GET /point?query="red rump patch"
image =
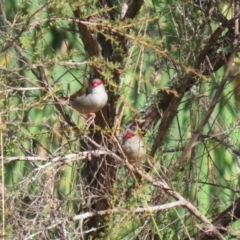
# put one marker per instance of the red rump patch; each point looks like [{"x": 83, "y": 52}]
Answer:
[
  {"x": 129, "y": 135},
  {"x": 96, "y": 82}
]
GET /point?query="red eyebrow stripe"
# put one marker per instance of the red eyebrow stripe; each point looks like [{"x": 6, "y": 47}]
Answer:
[
  {"x": 129, "y": 134},
  {"x": 97, "y": 83}
]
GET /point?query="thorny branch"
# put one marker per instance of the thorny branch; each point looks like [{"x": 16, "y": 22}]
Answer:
[{"x": 157, "y": 183}]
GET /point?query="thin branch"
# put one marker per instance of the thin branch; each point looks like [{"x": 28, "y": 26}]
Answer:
[
  {"x": 212, "y": 106},
  {"x": 24, "y": 29},
  {"x": 136, "y": 210},
  {"x": 67, "y": 158},
  {"x": 209, "y": 227},
  {"x": 171, "y": 110},
  {"x": 228, "y": 145},
  {"x": 157, "y": 183},
  {"x": 230, "y": 215},
  {"x": 53, "y": 225}
]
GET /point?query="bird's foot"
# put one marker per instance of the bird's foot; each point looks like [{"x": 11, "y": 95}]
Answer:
[{"x": 90, "y": 119}]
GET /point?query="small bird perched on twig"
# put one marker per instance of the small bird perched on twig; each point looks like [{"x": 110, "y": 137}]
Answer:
[
  {"x": 90, "y": 98},
  {"x": 133, "y": 147}
]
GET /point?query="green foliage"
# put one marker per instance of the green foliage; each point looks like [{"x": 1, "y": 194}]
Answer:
[{"x": 44, "y": 58}]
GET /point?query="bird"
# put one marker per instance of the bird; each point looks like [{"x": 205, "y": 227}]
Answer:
[
  {"x": 90, "y": 98},
  {"x": 133, "y": 147}
]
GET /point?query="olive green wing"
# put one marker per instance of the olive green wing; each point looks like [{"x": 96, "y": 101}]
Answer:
[{"x": 81, "y": 91}]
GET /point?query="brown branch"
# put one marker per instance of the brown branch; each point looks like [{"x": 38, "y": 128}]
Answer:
[
  {"x": 209, "y": 227},
  {"x": 89, "y": 41},
  {"x": 218, "y": 93},
  {"x": 169, "y": 104},
  {"x": 227, "y": 217},
  {"x": 157, "y": 183},
  {"x": 230, "y": 215},
  {"x": 131, "y": 8}
]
